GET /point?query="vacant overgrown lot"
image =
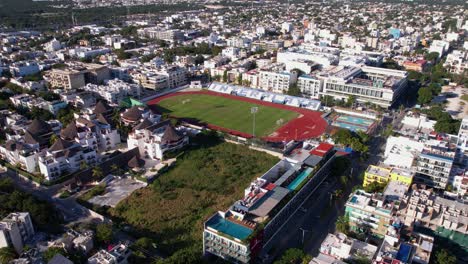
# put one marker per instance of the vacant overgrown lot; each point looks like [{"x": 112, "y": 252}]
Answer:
[
  {"x": 226, "y": 112},
  {"x": 208, "y": 177}
]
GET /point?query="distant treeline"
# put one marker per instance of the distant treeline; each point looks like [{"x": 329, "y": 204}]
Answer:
[{"x": 26, "y": 14}]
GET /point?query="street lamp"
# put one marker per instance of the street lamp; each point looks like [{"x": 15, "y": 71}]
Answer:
[
  {"x": 303, "y": 233},
  {"x": 253, "y": 110}
]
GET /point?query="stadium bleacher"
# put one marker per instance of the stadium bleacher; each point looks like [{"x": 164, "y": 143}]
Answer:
[{"x": 265, "y": 96}]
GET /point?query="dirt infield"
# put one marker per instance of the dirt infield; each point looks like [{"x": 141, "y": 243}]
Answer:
[{"x": 309, "y": 124}]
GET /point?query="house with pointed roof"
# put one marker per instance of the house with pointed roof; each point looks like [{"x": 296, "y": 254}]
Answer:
[
  {"x": 98, "y": 134},
  {"x": 153, "y": 140},
  {"x": 65, "y": 156},
  {"x": 136, "y": 114}
]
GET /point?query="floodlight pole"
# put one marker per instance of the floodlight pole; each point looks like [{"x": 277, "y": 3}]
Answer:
[{"x": 253, "y": 110}]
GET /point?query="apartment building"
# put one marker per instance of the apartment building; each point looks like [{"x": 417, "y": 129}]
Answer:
[
  {"x": 114, "y": 91},
  {"x": 97, "y": 134},
  {"x": 277, "y": 82},
  {"x": 384, "y": 174},
  {"x": 137, "y": 114},
  {"x": 77, "y": 76},
  {"x": 457, "y": 62},
  {"x": 67, "y": 79},
  {"x": 320, "y": 57},
  {"x": 426, "y": 209},
  {"x": 434, "y": 163},
  {"x": 117, "y": 255},
  {"x": 24, "y": 68},
  {"x": 309, "y": 86},
  {"x": 65, "y": 157},
  {"x": 175, "y": 76},
  {"x": 461, "y": 156},
  {"x": 15, "y": 230},
  {"x": 164, "y": 34},
  {"x": 341, "y": 247},
  {"x": 238, "y": 235},
  {"x": 154, "y": 139},
  {"x": 18, "y": 152},
  {"x": 369, "y": 84},
  {"x": 370, "y": 212}
]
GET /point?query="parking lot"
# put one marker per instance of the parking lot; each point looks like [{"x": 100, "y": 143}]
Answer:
[{"x": 117, "y": 190}]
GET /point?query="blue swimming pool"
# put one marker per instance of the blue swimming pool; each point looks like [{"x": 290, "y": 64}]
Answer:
[
  {"x": 404, "y": 252},
  {"x": 355, "y": 120},
  {"x": 229, "y": 228},
  {"x": 300, "y": 178},
  {"x": 353, "y": 128}
]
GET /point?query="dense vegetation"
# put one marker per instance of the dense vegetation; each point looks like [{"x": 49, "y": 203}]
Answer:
[
  {"x": 43, "y": 214},
  {"x": 208, "y": 177}
]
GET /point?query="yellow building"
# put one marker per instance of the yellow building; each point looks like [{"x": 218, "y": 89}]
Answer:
[
  {"x": 376, "y": 174},
  {"x": 385, "y": 174},
  {"x": 404, "y": 176}
]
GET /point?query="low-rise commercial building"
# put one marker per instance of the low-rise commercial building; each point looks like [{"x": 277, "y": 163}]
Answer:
[{"x": 368, "y": 84}]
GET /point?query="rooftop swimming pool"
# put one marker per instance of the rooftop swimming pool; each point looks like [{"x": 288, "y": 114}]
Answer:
[
  {"x": 404, "y": 252},
  {"x": 300, "y": 178},
  {"x": 229, "y": 228}
]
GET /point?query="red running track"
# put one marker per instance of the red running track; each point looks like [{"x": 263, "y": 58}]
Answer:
[{"x": 309, "y": 124}]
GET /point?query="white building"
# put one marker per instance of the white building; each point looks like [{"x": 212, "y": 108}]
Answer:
[
  {"x": 175, "y": 76},
  {"x": 277, "y": 82},
  {"x": 65, "y": 157},
  {"x": 434, "y": 164},
  {"x": 439, "y": 46},
  {"x": 164, "y": 34},
  {"x": 461, "y": 156},
  {"x": 310, "y": 86},
  {"x": 341, "y": 247},
  {"x": 153, "y": 140},
  {"x": 117, "y": 255},
  {"x": 368, "y": 84},
  {"x": 15, "y": 230},
  {"x": 114, "y": 91},
  {"x": 401, "y": 151},
  {"x": 97, "y": 134},
  {"x": 53, "y": 45},
  {"x": 321, "y": 57},
  {"x": 457, "y": 62},
  {"x": 24, "y": 68}
]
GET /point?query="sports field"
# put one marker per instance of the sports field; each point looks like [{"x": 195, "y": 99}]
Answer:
[{"x": 226, "y": 113}]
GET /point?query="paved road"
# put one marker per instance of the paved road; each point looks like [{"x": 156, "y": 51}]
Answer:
[
  {"x": 309, "y": 227},
  {"x": 70, "y": 209}
]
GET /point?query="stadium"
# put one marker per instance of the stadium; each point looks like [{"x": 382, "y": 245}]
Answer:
[{"x": 272, "y": 121}]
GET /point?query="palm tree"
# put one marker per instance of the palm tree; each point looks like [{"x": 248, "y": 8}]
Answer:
[
  {"x": 97, "y": 172},
  {"x": 7, "y": 254},
  {"x": 342, "y": 224}
]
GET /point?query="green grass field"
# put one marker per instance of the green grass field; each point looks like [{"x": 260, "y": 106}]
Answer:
[
  {"x": 209, "y": 176},
  {"x": 227, "y": 113}
]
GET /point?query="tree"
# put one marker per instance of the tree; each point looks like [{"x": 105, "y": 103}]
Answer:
[
  {"x": 294, "y": 256},
  {"x": 53, "y": 139},
  {"x": 433, "y": 56},
  {"x": 340, "y": 165},
  {"x": 7, "y": 254},
  {"x": 239, "y": 79},
  {"x": 424, "y": 95},
  {"x": 225, "y": 76},
  {"x": 97, "y": 172},
  {"x": 351, "y": 100},
  {"x": 375, "y": 187},
  {"x": 342, "y": 224},
  {"x": 84, "y": 165},
  {"x": 103, "y": 233},
  {"x": 122, "y": 55},
  {"x": 444, "y": 257},
  {"x": 51, "y": 252},
  {"x": 294, "y": 90}
]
